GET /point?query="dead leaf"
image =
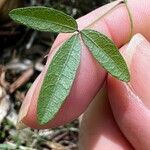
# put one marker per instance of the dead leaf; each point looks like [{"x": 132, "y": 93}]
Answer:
[
  {"x": 21, "y": 80},
  {"x": 55, "y": 146},
  {"x": 4, "y": 104}
]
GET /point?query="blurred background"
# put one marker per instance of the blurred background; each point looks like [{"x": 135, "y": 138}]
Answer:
[{"x": 22, "y": 58}]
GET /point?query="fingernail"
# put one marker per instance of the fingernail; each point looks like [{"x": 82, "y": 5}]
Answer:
[
  {"x": 137, "y": 55},
  {"x": 132, "y": 47}
]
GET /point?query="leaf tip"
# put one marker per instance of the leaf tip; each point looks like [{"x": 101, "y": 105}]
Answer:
[
  {"x": 42, "y": 120},
  {"x": 10, "y": 13},
  {"x": 126, "y": 78}
]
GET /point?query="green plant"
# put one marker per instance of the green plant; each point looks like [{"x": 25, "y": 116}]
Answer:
[{"x": 63, "y": 67}]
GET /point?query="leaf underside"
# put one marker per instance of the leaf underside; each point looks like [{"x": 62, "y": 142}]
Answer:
[
  {"x": 106, "y": 53},
  {"x": 44, "y": 19},
  {"x": 59, "y": 79}
]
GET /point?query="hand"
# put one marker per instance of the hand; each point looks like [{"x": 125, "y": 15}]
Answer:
[{"x": 119, "y": 117}]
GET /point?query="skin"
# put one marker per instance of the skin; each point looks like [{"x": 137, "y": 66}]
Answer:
[{"x": 118, "y": 118}]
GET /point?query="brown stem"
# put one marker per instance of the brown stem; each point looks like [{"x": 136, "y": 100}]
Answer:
[{"x": 120, "y": 2}]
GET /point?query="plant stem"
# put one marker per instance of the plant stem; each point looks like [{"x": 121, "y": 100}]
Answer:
[
  {"x": 129, "y": 13},
  {"x": 130, "y": 18},
  {"x": 120, "y": 2}
]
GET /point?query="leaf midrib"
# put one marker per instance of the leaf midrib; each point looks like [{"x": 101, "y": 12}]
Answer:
[
  {"x": 103, "y": 51},
  {"x": 48, "y": 21},
  {"x": 59, "y": 77}
]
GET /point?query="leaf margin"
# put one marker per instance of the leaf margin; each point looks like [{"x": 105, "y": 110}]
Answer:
[
  {"x": 124, "y": 79},
  {"x": 12, "y": 15},
  {"x": 41, "y": 122}
]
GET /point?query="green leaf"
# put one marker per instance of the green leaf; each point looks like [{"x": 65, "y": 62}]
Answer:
[
  {"x": 44, "y": 19},
  {"x": 59, "y": 79},
  {"x": 106, "y": 53}
]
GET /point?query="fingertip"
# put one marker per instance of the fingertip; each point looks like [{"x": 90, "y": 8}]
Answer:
[
  {"x": 128, "y": 100},
  {"x": 89, "y": 79}
]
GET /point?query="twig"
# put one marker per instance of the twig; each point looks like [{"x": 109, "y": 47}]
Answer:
[
  {"x": 21, "y": 80},
  {"x": 107, "y": 12},
  {"x": 33, "y": 36},
  {"x": 59, "y": 137},
  {"x": 15, "y": 146}
]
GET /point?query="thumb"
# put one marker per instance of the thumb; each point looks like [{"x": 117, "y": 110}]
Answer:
[{"x": 131, "y": 102}]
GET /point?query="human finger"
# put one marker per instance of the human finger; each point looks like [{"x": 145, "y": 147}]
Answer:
[
  {"x": 131, "y": 102},
  {"x": 98, "y": 129}
]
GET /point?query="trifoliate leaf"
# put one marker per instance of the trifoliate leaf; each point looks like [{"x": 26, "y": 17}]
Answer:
[
  {"x": 106, "y": 53},
  {"x": 44, "y": 19},
  {"x": 59, "y": 79}
]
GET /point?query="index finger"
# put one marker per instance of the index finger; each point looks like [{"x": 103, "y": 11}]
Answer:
[{"x": 90, "y": 75}]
